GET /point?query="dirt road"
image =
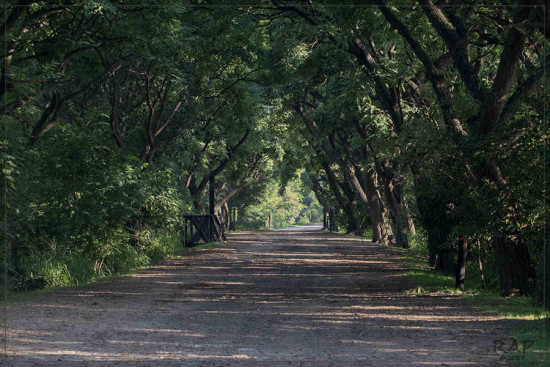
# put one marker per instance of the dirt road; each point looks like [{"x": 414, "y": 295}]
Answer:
[{"x": 281, "y": 298}]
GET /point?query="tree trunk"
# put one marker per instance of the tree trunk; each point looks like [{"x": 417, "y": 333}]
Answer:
[
  {"x": 344, "y": 204},
  {"x": 400, "y": 216},
  {"x": 410, "y": 221},
  {"x": 394, "y": 197},
  {"x": 378, "y": 211},
  {"x": 395, "y": 203},
  {"x": 480, "y": 259},
  {"x": 542, "y": 294},
  {"x": 433, "y": 219},
  {"x": 381, "y": 226},
  {"x": 461, "y": 263},
  {"x": 332, "y": 225},
  {"x": 439, "y": 258},
  {"x": 223, "y": 214},
  {"x": 514, "y": 264}
]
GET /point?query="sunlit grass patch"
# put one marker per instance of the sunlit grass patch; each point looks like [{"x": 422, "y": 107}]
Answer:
[
  {"x": 533, "y": 339},
  {"x": 426, "y": 279},
  {"x": 430, "y": 281}
]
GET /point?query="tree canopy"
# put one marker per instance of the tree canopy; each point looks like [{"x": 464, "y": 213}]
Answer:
[{"x": 422, "y": 124}]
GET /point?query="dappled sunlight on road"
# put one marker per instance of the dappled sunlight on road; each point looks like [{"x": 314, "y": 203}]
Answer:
[{"x": 286, "y": 296}]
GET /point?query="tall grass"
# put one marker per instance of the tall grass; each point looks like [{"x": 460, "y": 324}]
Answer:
[{"x": 61, "y": 267}]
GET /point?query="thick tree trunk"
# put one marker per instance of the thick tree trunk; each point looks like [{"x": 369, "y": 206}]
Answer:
[
  {"x": 394, "y": 198},
  {"x": 381, "y": 226},
  {"x": 513, "y": 263},
  {"x": 439, "y": 258},
  {"x": 396, "y": 204},
  {"x": 378, "y": 211},
  {"x": 461, "y": 263}
]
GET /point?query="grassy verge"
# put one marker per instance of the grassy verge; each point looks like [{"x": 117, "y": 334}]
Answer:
[
  {"x": 182, "y": 253},
  {"x": 529, "y": 342}
]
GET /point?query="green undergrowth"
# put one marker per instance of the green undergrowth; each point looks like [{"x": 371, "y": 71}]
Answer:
[
  {"x": 529, "y": 341},
  {"x": 178, "y": 253}
]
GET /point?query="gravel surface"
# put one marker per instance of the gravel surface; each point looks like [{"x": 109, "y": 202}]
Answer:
[{"x": 281, "y": 298}]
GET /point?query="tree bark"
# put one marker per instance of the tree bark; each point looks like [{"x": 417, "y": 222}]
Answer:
[
  {"x": 461, "y": 263},
  {"x": 381, "y": 227},
  {"x": 480, "y": 259},
  {"x": 514, "y": 264},
  {"x": 410, "y": 221},
  {"x": 343, "y": 203},
  {"x": 394, "y": 198}
]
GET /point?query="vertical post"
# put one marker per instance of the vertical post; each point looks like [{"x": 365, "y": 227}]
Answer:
[
  {"x": 212, "y": 199},
  {"x": 211, "y": 195},
  {"x": 185, "y": 232},
  {"x": 270, "y": 220},
  {"x": 232, "y": 219},
  {"x": 191, "y": 230},
  {"x": 210, "y": 228}
]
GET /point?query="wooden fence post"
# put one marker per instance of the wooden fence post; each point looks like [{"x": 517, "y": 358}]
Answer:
[
  {"x": 185, "y": 233},
  {"x": 212, "y": 203}
]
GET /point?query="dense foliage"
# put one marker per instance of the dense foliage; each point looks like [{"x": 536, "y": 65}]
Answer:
[{"x": 423, "y": 125}]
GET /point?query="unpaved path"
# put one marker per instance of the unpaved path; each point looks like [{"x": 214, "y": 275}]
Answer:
[{"x": 282, "y": 298}]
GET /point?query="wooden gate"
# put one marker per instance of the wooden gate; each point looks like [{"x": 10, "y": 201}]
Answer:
[{"x": 202, "y": 227}]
